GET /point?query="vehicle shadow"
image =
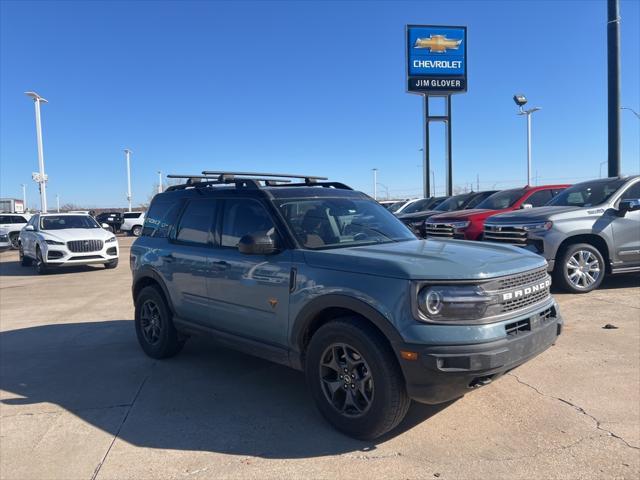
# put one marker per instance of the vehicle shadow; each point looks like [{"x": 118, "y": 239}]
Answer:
[
  {"x": 14, "y": 269},
  {"x": 206, "y": 398}
]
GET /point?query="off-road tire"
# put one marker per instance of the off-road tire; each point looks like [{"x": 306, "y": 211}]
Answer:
[
  {"x": 168, "y": 341},
  {"x": 562, "y": 271},
  {"x": 389, "y": 402}
]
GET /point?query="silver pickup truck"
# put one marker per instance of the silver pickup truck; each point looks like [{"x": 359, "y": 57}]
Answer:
[{"x": 589, "y": 230}]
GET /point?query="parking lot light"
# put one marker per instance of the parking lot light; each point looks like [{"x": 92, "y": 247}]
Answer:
[
  {"x": 521, "y": 101},
  {"x": 128, "y": 153},
  {"x": 41, "y": 178}
]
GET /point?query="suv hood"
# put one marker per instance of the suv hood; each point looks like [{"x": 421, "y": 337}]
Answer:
[
  {"x": 410, "y": 217},
  {"x": 473, "y": 214},
  {"x": 430, "y": 259},
  {"x": 530, "y": 215},
  {"x": 76, "y": 234}
]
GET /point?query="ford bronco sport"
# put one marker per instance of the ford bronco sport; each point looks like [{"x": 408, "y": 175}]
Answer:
[
  {"x": 319, "y": 277},
  {"x": 588, "y": 230}
]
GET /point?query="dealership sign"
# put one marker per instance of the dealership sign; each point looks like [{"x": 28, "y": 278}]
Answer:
[{"x": 436, "y": 59}]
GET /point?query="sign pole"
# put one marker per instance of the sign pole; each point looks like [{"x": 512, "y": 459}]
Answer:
[
  {"x": 449, "y": 155},
  {"x": 426, "y": 161}
]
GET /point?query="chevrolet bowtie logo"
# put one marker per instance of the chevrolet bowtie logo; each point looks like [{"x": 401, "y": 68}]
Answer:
[{"x": 437, "y": 43}]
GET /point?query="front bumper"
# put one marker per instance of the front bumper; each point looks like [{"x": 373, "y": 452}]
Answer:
[
  {"x": 445, "y": 372},
  {"x": 60, "y": 255}
]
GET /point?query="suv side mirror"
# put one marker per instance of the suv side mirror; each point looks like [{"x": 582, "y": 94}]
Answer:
[
  {"x": 29, "y": 228},
  {"x": 258, "y": 244},
  {"x": 630, "y": 205},
  {"x": 526, "y": 205}
]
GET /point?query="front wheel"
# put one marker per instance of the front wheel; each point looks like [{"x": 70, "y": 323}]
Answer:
[
  {"x": 41, "y": 266},
  {"x": 24, "y": 260},
  {"x": 581, "y": 268},
  {"x": 355, "y": 379},
  {"x": 154, "y": 325},
  {"x": 111, "y": 264}
]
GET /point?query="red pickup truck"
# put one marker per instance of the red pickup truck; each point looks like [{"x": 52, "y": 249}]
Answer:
[{"x": 469, "y": 224}]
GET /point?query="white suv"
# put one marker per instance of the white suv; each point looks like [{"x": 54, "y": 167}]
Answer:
[
  {"x": 12, "y": 223},
  {"x": 56, "y": 239},
  {"x": 133, "y": 222}
]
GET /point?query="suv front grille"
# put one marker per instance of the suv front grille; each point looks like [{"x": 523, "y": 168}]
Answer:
[
  {"x": 505, "y": 234},
  {"x": 522, "y": 279},
  {"x": 439, "y": 230},
  {"x": 517, "y": 304},
  {"x": 82, "y": 246}
]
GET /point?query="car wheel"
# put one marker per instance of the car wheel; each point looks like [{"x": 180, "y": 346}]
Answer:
[
  {"x": 136, "y": 231},
  {"x": 355, "y": 379},
  {"x": 581, "y": 268},
  {"x": 14, "y": 238},
  {"x": 111, "y": 264},
  {"x": 154, "y": 325},
  {"x": 41, "y": 266},
  {"x": 24, "y": 260}
]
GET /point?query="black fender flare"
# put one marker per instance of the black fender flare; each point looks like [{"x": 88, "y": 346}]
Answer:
[
  {"x": 310, "y": 311},
  {"x": 148, "y": 272}
]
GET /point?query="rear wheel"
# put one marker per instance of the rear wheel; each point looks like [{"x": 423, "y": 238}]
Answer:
[
  {"x": 355, "y": 379},
  {"x": 154, "y": 325},
  {"x": 136, "y": 231},
  {"x": 24, "y": 260},
  {"x": 14, "y": 239},
  {"x": 41, "y": 266},
  {"x": 581, "y": 268}
]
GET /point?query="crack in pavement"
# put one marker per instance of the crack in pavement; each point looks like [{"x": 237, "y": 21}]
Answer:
[
  {"x": 61, "y": 411},
  {"x": 578, "y": 408},
  {"x": 124, "y": 420}
]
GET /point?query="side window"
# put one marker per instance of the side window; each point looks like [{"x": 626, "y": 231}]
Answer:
[
  {"x": 5, "y": 219},
  {"x": 556, "y": 191},
  {"x": 19, "y": 219},
  {"x": 242, "y": 217},
  {"x": 196, "y": 222},
  {"x": 539, "y": 198},
  {"x": 160, "y": 219},
  {"x": 632, "y": 193}
]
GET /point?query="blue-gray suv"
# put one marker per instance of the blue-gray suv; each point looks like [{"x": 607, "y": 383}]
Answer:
[{"x": 317, "y": 276}]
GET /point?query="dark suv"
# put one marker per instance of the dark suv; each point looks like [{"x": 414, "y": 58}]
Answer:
[{"x": 322, "y": 278}]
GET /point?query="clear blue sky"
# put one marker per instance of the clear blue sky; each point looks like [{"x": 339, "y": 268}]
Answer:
[{"x": 170, "y": 81}]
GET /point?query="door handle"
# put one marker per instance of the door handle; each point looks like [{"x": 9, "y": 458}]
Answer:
[{"x": 221, "y": 265}]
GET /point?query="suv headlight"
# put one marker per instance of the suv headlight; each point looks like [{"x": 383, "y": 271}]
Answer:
[
  {"x": 110, "y": 239},
  {"x": 537, "y": 226},
  {"x": 53, "y": 242},
  {"x": 452, "y": 302},
  {"x": 459, "y": 225}
]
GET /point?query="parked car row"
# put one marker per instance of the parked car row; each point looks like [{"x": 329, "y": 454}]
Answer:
[{"x": 584, "y": 231}]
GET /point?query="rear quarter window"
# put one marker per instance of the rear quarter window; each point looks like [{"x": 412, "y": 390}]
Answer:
[{"x": 161, "y": 219}]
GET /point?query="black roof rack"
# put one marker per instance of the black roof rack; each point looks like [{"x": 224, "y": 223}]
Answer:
[{"x": 251, "y": 180}]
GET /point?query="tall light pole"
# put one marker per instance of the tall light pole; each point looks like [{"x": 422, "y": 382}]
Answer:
[
  {"x": 128, "y": 153},
  {"x": 375, "y": 183},
  {"x": 521, "y": 100},
  {"x": 24, "y": 196},
  {"x": 40, "y": 177},
  {"x": 159, "y": 181},
  {"x": 433, "y": 182},
  {"x": 58, "y": 202}
]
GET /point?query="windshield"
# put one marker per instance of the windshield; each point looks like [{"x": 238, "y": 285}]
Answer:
[
  {"x": 60, "y": 222},
  {"x": 501, "y": 200},
  {"x": 453, "y": 203},
  {"x": 339, "y": 222},
  {"x": 396, "y": 206},
  {"x": 587, "y": 194}
]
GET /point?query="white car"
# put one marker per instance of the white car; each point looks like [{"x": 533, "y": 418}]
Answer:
[
  {"x": 13, "y": 223},
  {"x": 57, "y": 239},
  {"x": 133, "y": 222}
]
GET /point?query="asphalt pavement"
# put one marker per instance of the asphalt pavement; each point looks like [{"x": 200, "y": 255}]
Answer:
[{"x": 79, "y": 399}]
